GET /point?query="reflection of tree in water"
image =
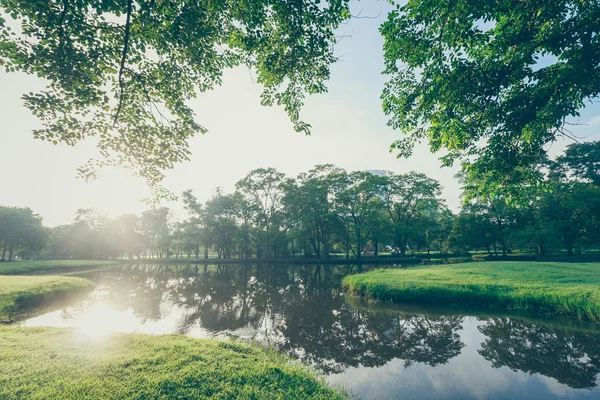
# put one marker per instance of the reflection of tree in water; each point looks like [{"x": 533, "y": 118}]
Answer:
[
  {"x": 139, "y": 288},
  {"x": 301, "y": 310},
  {"x": 298, "y": 308},
  {"x": 570, "y": 357},
  {"x": 323, "y": 329}
]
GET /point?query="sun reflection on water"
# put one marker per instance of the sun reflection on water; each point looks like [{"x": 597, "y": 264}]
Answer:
[{"x": 101, "y": 320}]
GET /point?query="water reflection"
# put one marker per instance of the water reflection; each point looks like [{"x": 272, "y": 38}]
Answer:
[
  {"x": 301, "y": 311},
  {"x": 570, "y": 357}
]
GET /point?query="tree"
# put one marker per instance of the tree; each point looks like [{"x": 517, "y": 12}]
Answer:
[
  {"x": 358, "y": 203},
  {"x": 404, "y": 197},
  {"x": 581, "y": 161},
  {"x": 262, "y": 188},
  {"x": 123, "y": 70},
  {"x": 308, "y": 207},
  {"x": 20, "y": 229},
  {"x": 245, "y": 214},
  {"x": 220, "y": 219},
  {"x": 472, "y": 230},
  {"x": 431, "y": 226},
  {"x": 196, "y": 221},
  {"x": 572, "y": 212},
  {"x": 130, "y": 238},
  {"x": 491, "y": 83},
  {"x": 526, "y": 347},
  {"x": 155, "y": 225}
]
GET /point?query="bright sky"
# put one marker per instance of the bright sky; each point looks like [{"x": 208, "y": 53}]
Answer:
[{"x": 349, "y": 130}]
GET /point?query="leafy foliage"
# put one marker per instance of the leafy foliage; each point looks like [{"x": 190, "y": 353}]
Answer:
[
  {"x": 20, "y": 231},
  {"x": 329, "y": 212},
  {"x": 490, "y": 83},
  {"x": 122, "y": 70}
]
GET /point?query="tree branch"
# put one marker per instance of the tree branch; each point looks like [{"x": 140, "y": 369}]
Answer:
[{"x": 123, "y": 58}]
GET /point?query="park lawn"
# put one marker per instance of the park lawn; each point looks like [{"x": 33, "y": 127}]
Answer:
[
  {"x": 20, "y": 295},
  {"x": 536, "y": 288},
  {"x": 53, "y": 363},
  {"x": 49, "y": 266}
]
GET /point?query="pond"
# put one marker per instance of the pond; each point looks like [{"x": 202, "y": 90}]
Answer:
[{"x": 374, "y": 353}]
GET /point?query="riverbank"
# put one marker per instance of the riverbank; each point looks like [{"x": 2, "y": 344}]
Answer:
[
  {"x": 288, "y": 261},
  {"x": 21, "y": 295},
  {"x": 57, "y": 363},
  {"x": 50, "y": 266},
  {"x": 533, "y": 288}
]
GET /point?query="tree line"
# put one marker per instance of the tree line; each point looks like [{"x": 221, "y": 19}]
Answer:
[{"x": 329, "y": 212}]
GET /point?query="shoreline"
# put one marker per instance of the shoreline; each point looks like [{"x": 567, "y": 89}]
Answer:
[{"x": 533, "y": 289}]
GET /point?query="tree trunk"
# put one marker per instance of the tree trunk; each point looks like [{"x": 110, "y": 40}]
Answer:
[
  {"x": 10, "y": 252},
  {"x": 205, "y": 251},
  {"x": 347, "y": 250},
  {"x": 3, "y": 253},
  {"x": 403, "y": 248}
]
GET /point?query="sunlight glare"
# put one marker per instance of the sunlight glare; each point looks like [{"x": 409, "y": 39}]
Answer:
[{"x": 100, "y": 321}]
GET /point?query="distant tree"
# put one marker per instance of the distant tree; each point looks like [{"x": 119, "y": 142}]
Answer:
[
  {"x": 20, "y": 230},
  {"x": 358, "y": 204},
  {"x": 156, "y": 226},
  {"x": 571, "y": 212},
  {"x": 245, "y": 214},
  {"x": 404, "y": 197},
  {"x": 263, "y": 188},
  {"x": 196, "y": 223},
  {"x": 581, "y": 161},
  {"x": 128, "y": 232},
  {"x": 472, "y": 230},
  {"x": 431, "y": 226},
  {"x": 309, "y": 209},
  {"x": 220, "y": 219},
  {"x": 378, "y": 229}
]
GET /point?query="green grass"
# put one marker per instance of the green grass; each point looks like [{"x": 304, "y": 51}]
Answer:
[
  {"x": 21, "y": 295},
  {"x": 51, "y": 363},
  {"x": 533, "y": 288},
  {"x": 49, "y": 266}
]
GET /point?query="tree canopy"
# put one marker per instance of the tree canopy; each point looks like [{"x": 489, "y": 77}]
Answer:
[
  {"x": 122, "y": 70},
  {"x": 20, "y": 231},
  {"x": 490, "y": 82}
]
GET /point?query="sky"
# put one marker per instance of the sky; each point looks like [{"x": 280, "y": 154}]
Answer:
[{"x": 348, "y": 130}]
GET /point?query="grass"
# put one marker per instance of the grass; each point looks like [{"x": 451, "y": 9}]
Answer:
[
  {"x": 51, "y": 363},
  {"x": 49, "y": 266},
  {"x": 533, "y": 288},
  {"x": 21, "y": 295}
]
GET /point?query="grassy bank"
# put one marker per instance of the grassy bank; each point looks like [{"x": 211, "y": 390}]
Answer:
[
  {"x": 20, "y": 295},
  {"x": 535, "y": 288},
  {"x": 53, "y": 363},
  {"x": 49, "y": 266}
]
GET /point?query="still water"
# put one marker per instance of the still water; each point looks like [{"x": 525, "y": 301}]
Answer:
[{"x": 374, "y": 354}]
